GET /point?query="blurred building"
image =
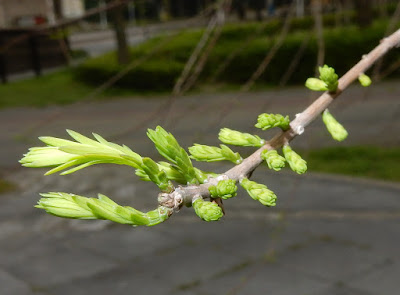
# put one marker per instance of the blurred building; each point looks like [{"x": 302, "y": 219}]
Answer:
[{"x": 27, "y": 13}]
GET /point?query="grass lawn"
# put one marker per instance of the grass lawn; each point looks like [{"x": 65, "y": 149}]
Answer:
[
  {"x": 54, "y": 88},
  {"x": 361, "y": 161},
  {"x": 51, "y": 89}
]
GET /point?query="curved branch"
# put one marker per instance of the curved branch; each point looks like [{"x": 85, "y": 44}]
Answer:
[{"x": 297, "y": 126}]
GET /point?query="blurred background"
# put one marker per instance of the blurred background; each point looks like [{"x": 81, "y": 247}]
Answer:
[{"x": 118, "y": 67}]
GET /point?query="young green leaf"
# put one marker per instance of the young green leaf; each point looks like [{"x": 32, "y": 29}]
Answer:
[
  {"x": 62, "y": 154},
  {"x": 212, "y": 154},
  {"x": 159, "y": 177},
  {"x": 169, "y": 148},
  {"x": 234, "y": 137},
  {"x": 74, "y": 206}
]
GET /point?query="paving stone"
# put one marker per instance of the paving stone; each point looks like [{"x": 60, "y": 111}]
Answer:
[
  {"x": 43, "y": 261},
  {"x": 341, "y": 289},
  {"x": 381, "y": 280},
  {"x": 10, "y": 285},
  {"x": 165, "y": 272},
  {"x": 279, "y": 281}
]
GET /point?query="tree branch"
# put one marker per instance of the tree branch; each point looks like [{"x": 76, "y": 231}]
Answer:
[{"x": 185, "y": 195}]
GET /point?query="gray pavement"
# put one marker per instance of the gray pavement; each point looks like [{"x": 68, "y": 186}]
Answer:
[{"x": 327, "y": 235}]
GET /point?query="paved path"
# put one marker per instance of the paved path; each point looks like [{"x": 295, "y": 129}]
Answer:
[{"x": 328, "y": 235}]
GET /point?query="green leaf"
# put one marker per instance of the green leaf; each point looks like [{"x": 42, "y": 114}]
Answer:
[
  {"x": 212, "y": 154},
  {"x": 169, "y": 148},
  {"x": 159, "y": 177},
  {"x": 63, "y": 154},
  {"x": 74, "y": 206},
  {"x": 234, "y": 137}
]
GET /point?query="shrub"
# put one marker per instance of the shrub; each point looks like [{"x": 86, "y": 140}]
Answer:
[{"x": 343, "y": 44}]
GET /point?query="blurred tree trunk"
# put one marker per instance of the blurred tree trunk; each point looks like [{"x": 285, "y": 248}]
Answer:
[
  {"x": 364, "y": 12},
  {"x": 119, "y": 25},
  {"x": 240, "y": 7}
]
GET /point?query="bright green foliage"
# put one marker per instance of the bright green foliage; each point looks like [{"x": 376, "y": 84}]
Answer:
[
  {"x": 234, "y": 137},
  {"x": 225, "y": 189},
  {"x": 334, "y": 127},
  {"x": 208, "y": 211},
  {"x": 169, "y": 148},
  {"x": 63, "y": 154},
  {"x": 316, "y": 84},
  {"x": 74, "y": 206},
  {"x": 328, "y": 75},
  {"x": 364, "y": 80},
  {"x": 207, "y": 153},
  {"x": 259, "y": 192},
  {"x": 157, "y": 175},
  {"x": 273, "y": 159},
  {"x": 171, "y": 171},
  {"x": 297, "y": 164},
  {"x": 267, "y": 121}
]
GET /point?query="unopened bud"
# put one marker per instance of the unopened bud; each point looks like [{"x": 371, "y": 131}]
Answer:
[
  {"x": 267, "y": 121},
  {"x": 334, "y": 127},
  {"x": 234, "y": 137},
  {"x": 208, "y": 211},
  {"x": 259, "y": 192},
  {"x": 225, "y": 189},
  {"x": 364, "y": 80},
  {"x": 316, "y": 84},
  {"x": 273, "y": 159},
  {"x": 297, "y": 164}
]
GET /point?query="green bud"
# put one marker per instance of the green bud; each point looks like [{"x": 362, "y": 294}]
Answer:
[
  {"x": 334, "y": 127},
  {"x": 328, "y": 75},
  {"x": 234, "y": 137},
  {"x": 208, "y": 211},
  {"x": 297, "y": 164},
  {"x": 316, "y": 84},
  {"x": 259, "y": 192},
  {"x": 225, "y": 189},
  {"x": 273, "y": 159},
  {"x": 267, "y": 121},
  {"x": 364, "y": 80},
  {"x": 212, "y": 154}
]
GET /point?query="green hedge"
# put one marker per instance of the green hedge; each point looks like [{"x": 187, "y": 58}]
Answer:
[{"x": 344, "y": 47}]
